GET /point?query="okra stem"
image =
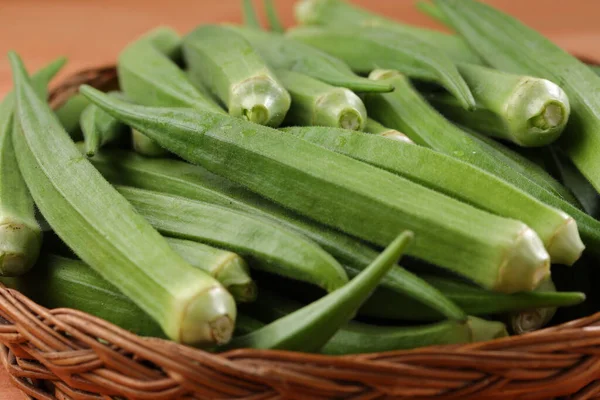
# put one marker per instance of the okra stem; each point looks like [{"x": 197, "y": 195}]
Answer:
[
  {"x": 317, "y": 103},
  {"x": 376, "y": 128},
  {"x": 534, "y": 319},
  {"x": 309, "y": 328},
  {"x": 102, "y": 228},
  {"x": 246, "y": 85}
]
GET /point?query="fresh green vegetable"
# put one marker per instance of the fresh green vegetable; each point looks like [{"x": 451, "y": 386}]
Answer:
[
  {"x": 102, "y": 228},
  {"x": 269, "y": 246},
  {"x": 228, "y": 268},
  {"x": 507, "y": 44},
  {"x": 528, "y": 111},
  {"x": 497, "y": 253},
  {"x": 147, "y": 75},
  {"x": 99, "y": 128},
  {"x": 20, "y": 233},
  {"x": 235, "y": 73},
  {"x": 431, "y": 10},
  {"x": 445, "y": 174},
  {"x": 406, "y": 110},
  {"x": 339, "y": 13},
  {"x": 194, "y": 182},
  {"x": 317, "y": 103},
  {"x": 145, "y": 146},
  {"x": 532, "y": 320},
  {"x": 365, "y": 49},
  {"x": 274, "y": 22},
  {"x": 281, "y": 52},
  {"x": 250, "y": 17},
  {"x": 311, "y": 327},
  {"x": 472, "y": 299},
  {"x": 69, "y": 114},
  {"x": 355, "y": 337},
  {"x": 376, "y": 128}
]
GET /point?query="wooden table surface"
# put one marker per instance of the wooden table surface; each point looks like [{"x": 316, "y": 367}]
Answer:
[{"x": 92, "y": 32}]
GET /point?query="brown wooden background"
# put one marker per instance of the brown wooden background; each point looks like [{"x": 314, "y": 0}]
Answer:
[{"x": 92, "y": 32}]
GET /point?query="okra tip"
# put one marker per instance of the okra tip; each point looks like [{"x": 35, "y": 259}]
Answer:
[
  {"x": 19, "y": 248},
  {"x": 340, "y": 108},
  {"x": 233, "y": 273},
  {"x": 525, "y": 264},
  {"x": 565, "y": 246},
  {"x": 531, "y": 320},
  {"x": 260, "y": 99},
  {"x": 396, "y": 135},
  {"x": 482, "y": 330},
  {"x": 208, "y": 318}
]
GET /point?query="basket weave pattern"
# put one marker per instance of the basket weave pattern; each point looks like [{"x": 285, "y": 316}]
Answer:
[{"x": 69, "y": 355}]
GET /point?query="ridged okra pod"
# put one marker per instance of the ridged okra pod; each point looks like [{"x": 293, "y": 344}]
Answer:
[
  {"x": 339, "y": 13},
  {"x": 406, "y": 110},
  {"x": 366, "y": 49},
  {"x": 507, "y": 44},
  {"x": 99, "y": 128},
  {"x": 309, "y": 328},
  {"x": 101, "y": 227},
  {"x": 236, "y": 74},
  {"x": 318, "y": 103},
  {"x": 499, "y": 253},
  {"x": 268, "y": 246},
  {"x": 281, "y": 52},
  {"x": 526, "y": 110},
  {"x": 448, "y": 175},
  {"x": 186, "y": 180},
  {"x": 20, "y": 233}
]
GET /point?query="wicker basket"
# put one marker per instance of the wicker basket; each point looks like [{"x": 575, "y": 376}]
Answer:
[{"x": 66, "y": 354}]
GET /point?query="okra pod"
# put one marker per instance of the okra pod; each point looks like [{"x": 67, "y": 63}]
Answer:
[
  {"x": 148, "y": 76},
  {"x": 507, "y": 44},
  {"x": 194, "y": 182},
  {"x": 472, "y": 299},
  {"x": 356, "y": 337},
  {"x": 528, "y": 111},
  {"x": 390, "y": 50},
  {"x": 99, "y": 128},
  {"x": 406, "y": 110},
  {"x": 310, "y": 328},
  {"x": 275, "y": 23},
  {"x": 376, "y": 128},
  {"x": 318, "y": 103},
  {"x": 145, "y": 146},
  {"x": 496, "y": 252},
  {"x": 228, "y": 268},
  {"x": 534, "y": 319},
  {"x": 103, "y": 230},
  {"x": 339, "y": 13},
  {"x": 229, "y": 66},
  {"x": 268, "y": 246},
  {"x": 20, "y": 233},
  {"x": 445, "y": 174},
  {"x": 250, "y": 17},
  {"x": 59, "y": 282},
  {"x": 69, "y": 114},
  {"x": 281, "y": 52}
]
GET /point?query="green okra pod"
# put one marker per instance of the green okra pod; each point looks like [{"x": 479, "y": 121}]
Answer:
[
  {"x": 405, "y": 109},
  {"x": 528, "y": 111},
  {"x": 268, "y": 246},
  {"x": 101, "y": 227},
  {"x": 496, "y": 252},
  {"x": 507, "y": 44},
  {"x": 376, "y": 128},
  {"x": 390, "y": 50},
  {"x": 69, "y": 114},
  {"x": 472, "y": 299},
  {"x": 182, "y": 179},
  {"x": 339, "y": 13},
  {"x": 311, "y": 327},
  {"x": 317, "y": 103},
  {"x": 275, "y": 23},
  {"x": 250, "y": 17},
  {"x": 281, "y": 52},
  {"x": 99, "y": 128},
  {"x": 445, "y": 174},
  {"x": 20, "y": 233},
  {"x": 236, "y": 74},
  {"x": 356, "y": 337}
]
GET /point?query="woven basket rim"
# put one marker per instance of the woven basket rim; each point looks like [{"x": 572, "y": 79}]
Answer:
[{"x": 68, "y": 354}]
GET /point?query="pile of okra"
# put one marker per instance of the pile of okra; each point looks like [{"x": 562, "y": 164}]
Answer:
[{"x": 253, "y": 187}]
